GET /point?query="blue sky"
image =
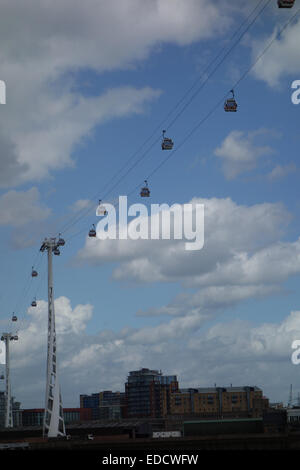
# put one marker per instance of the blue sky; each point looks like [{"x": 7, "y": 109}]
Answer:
[{"x": 83, "y": 94}]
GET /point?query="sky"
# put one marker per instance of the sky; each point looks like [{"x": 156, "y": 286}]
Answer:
[{"x": 89, "y": 88}]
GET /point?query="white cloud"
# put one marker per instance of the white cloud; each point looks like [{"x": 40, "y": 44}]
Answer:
[
  {"x": 33, "y": 327},
  {"x": 281, "y": 171},
  {"x": 208, "y": 301},
  {"x": 19, "y": 208},
  {"x": 282, "y": 58},
  {"x": 243, "y": 258},
  {"x": 240, "y": 152},
  {"x": 47, "y": 139},
  {"x": 232, "y": 232},
  {"x": 81, "y": 204},
  {"x": 11, "y": 169},
  {"x": 234, "y": 351},
  {"x": 44, "y": 45}
]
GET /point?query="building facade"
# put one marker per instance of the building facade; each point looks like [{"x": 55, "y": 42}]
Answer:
[
  {"x": 148, "y": 393},
  {"x": 16, "y": 411},
  {"x": 106, "y": 405},
  {"x": 35, "y": 416},
  {"x": 218, "y": 401}
]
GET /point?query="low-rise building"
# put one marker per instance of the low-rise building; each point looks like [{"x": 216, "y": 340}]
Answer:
[
  {"x": 218, "y": 401},
  {"x": 35, "y": 416},
  {"x": 106, "y": 405},
  {"x": 16, "y": 411}
]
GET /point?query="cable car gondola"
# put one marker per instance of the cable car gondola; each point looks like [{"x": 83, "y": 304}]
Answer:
[
  {"x": 33, "y": 303},
  {"x": 101, "y": 209},
  {"x": 61, "y": 241},
  {"x": 92, "y": 232},
  {"x": 145, "y": 192},
  {"x": 285, "y": 3},
  {"x": 14, "y": 318},
  {"x": 56, "y": 251},
  {"x": 230, "y": 104},
  {"x": 34, "y": 272},
  {"x": 15, "y": 337},
  {"x": 167, "y": 144}
]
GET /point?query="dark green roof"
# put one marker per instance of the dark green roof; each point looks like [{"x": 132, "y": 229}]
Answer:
[{"x": 223, "y": 420}]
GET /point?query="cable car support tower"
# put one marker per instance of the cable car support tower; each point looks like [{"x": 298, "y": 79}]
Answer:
[
  {"x": 53, "y": 425},
  {"x": 7, "y": 337}
]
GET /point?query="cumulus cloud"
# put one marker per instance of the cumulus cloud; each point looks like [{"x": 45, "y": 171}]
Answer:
[
  {"x": 240, "y": 153},
  {"x": 243, "y": 257},
  {"x": 281, "y": 171},
  {"x": 282, "y": 58},
  {"x": 11, "y": 169},
  {"x": 19, "y": 208},
  {"x": 167, "y": 260},
  {"x": 234, "y": 351},
  {"x": 81, "y": 204},
  {"x": 47, "y": 139},
  {"x": 209, "y": 301},
  {"x": 45, "y": 44},
  {"x": 33, "y": 327}
]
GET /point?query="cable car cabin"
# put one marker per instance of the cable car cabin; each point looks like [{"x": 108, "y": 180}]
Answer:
[
  {"x": 15, "y": 337},
  {"x": 145, "y": 192},
  {"x": 92, "y": 232},
  {"x": 101, "y": 209},
  {"x": 33, "y": 303},
  {"x": 285, "y": 3},
  {"x": 56, "y": 251},
  {"x": 14, "y": 318},
  {"x": 34, "y": 272},
  {"x": 230, "y": 105},
  {"x": 167, "y": 144},
  {"x": 61, "y": 241}
]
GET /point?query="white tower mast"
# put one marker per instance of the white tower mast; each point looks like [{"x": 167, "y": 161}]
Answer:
[
  {"x": 7, "y": 337},
  {"x": 53, "y": 425}
]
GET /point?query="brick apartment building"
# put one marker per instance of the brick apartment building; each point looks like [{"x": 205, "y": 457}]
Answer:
[{"x": 218, "y": 401}]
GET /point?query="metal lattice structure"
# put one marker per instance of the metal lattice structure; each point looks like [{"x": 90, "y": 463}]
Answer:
[
  {"x": 7, "y": 337},
  {"x": 53, "y": 425}
]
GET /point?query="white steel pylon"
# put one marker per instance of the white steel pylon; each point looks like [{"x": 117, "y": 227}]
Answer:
[
  {"x": 7, "y": 337},
  {"x": 53, "y": 425}
]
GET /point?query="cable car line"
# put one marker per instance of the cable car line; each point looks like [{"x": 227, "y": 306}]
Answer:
[
  {"x": 217, "y": 105},
  {"x": 85, "y": 211},
  {"x": 222, "y": 99},
  {"x": 208, "y": 115},
  {"x": 219, "y": 64},
  {"x": 23, "y": 319}
]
